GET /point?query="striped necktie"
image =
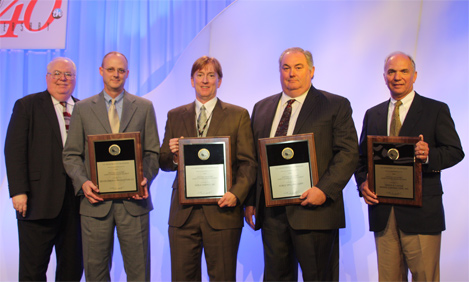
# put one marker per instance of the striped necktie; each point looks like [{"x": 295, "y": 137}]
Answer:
[{"x": 67, "y": 115}]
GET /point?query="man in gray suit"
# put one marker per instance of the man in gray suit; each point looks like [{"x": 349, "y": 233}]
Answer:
[
  {"x": 113, "y": 110},
  {"x": 308, "y": 233}
]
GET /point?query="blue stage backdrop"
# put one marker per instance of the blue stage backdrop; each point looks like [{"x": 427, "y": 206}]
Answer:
[{"x": 349, "y": 41}]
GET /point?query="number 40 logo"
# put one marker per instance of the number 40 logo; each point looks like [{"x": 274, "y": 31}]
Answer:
[{"x": 11, "y": 22}]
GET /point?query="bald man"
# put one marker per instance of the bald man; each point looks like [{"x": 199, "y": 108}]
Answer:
[
  {"x": 100, "y": 218},
  {"x": 409, "y": 237}
]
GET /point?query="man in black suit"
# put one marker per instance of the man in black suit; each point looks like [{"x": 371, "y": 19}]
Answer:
[
  {"x": 409, "y": 237},
  {"x": 41, "y": 191},
  {"x": 308, "y": 233}
]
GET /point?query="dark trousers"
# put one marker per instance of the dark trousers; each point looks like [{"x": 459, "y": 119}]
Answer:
[
  {"x": 38, "y": 237},
  {"x": 317, "y": 251}
]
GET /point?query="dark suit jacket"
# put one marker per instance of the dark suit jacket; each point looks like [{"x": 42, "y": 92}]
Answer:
[
  {"x": 33, "y": 156},
  {"x": 227, "y": 120},
  {"x": 90, "y": 117},
  {"x": 432, "y": 119},
  {"x": 329, "y": 117}
]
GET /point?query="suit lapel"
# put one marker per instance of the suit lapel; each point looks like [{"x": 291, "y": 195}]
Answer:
[
  {"x": 269, "y": 115},
  {"x": 309, "y": 108},
  {"x": 50, "y": 114},
  {"x": 128, "y": 110},
  {"x": 218, "y": 118},
  {"x": 381, "y": 119},
  {"x": 98, "y": 106},
  {"x": 412, "y": 117},
  {"x": 188, "y": 119}
]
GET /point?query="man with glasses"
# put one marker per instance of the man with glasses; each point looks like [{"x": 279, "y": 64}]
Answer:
[
  {"x": 114, "y": 110},
  {"x": 41, "y": 191}
]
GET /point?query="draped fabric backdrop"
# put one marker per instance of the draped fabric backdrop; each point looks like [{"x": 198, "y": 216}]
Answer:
[{"x": 348, "y": 39}]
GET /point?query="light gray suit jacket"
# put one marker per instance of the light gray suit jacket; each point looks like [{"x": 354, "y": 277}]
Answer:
[{"x": 90, "y": 117}]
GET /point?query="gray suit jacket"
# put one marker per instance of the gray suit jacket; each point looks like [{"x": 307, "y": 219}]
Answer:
[
  {"x": 90, "y": 117},
  {"x": 329, "y": 117},
  {"x": 227, "y": 120}
]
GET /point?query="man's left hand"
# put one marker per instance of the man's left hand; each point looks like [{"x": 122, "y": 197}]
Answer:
[
  {"x": 422, "y": 150},
  {"x": 145, "y": 188},
  {"x": 228, "y": 200},
  {"x": 313, "y": 197}
]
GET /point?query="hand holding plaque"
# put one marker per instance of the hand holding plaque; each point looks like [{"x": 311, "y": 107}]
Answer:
[
  {"x": 394, "y": 175},
  {"x": 204, "y": 170},
  {"x": 289, "y": 168},
  {"x": 116, "y": 165}
]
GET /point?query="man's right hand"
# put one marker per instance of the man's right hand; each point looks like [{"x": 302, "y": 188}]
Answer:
[
  {"x": 20, "y": 203},
  {"x": 249, "y": 215},
  {"x": 88, "y": 187},
  {"x": 369, "y": 197},
  {"x": 174, "y": 147}
]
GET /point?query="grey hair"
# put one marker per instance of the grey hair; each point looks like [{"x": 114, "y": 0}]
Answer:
[
  {"x": 308, "y": 55},
  {"x": 49, "y": 65},
  {"x": 400, "y": 53}
]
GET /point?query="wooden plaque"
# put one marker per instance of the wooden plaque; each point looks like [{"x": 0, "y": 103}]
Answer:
[
  {"x": 204, "y": 170},
  {"x": 116, "y": 164},
  {"x": 394, "y": 173},
  {"x": 289, "y": 168}
]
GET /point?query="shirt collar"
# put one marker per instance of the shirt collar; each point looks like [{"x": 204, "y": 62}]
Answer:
[
  {"x": 406, "y": 101},
  {"x": 301, "y": 99},
  {"x": 69, "y": 101},
  {"x": 209, "y": 106},
  {"x": 108, "y": 98}
]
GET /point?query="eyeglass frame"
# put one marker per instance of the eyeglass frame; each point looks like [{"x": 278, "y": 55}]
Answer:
[{"x": 58, "y": 75}]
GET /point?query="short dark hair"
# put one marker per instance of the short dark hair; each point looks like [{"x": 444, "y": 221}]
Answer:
[{"x": 201, "y": 62}]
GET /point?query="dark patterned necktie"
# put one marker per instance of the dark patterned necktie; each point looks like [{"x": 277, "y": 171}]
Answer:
[
  {"x": 284, "y": 120},
  {"x": 395, "y": 120},
  {"x": 66, "y": 115}
]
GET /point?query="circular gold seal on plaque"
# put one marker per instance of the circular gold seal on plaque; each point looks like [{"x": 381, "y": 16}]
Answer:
[
  {"x": 393, "y": 154},
  {"x": 204, "y": 154},
  {"x": 114, "y": 150},
  {"x": 288, "y": 153}
]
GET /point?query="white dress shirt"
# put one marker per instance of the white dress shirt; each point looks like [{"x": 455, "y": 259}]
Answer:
[
  {"x": 295, "y": 111},
  {"x": 403, "y": 109},
  {"x": 59, "y": 111}
]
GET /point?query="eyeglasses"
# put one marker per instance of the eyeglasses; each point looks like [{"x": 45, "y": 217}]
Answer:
[
  {"x": 59, "y": 75},
  {"x": 113, "y": 70}
]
